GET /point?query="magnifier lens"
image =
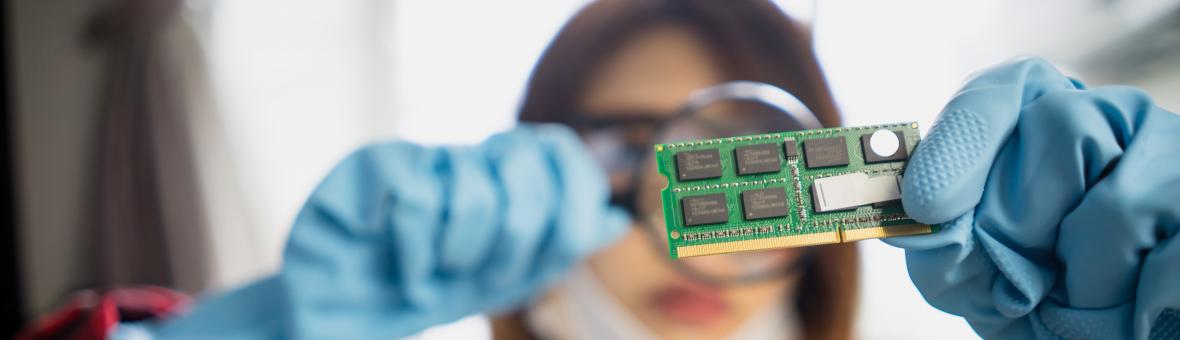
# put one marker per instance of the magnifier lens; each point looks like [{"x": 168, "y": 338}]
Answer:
[{"x": 715, "y": 122}]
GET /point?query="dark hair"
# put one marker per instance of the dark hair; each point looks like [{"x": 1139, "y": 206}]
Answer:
[
  {"x": 755, "y": 41},
  {"x": 753, "y": 38}
]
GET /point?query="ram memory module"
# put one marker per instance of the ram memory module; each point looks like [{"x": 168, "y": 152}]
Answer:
[{"x": 788, "y": 189}]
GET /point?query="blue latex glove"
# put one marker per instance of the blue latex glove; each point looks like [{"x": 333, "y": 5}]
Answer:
[
  {"x": 400, "y": 237},
  {"x": 1059, "y": 207}
]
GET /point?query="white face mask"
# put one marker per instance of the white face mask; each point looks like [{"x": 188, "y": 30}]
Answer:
[{"x": 579, "y": 308}]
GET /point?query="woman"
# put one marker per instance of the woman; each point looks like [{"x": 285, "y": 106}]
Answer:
[
  {"x": 400, "y": 237},
  {"x": 626, "y": 67},
  {"x": 1056, "y": 205}
]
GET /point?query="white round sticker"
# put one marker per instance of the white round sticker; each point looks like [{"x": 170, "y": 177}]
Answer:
[{"x": 884, "y": 143}]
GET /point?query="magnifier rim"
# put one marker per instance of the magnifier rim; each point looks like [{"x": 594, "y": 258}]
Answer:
[
  {"x": 748, "y": 91},
  {"x": 804, "y": 260}
]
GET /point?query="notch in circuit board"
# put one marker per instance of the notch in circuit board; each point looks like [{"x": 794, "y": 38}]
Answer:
[{"x": 786, "y": 189}]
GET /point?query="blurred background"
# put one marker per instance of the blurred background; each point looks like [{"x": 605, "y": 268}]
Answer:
[{"x": 252, "y": 101}]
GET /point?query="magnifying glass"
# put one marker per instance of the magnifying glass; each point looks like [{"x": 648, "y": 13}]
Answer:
[{"x": 728, "y": 109}]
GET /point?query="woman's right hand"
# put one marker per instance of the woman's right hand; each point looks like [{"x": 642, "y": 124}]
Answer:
[{"x": 400, "y": 237}]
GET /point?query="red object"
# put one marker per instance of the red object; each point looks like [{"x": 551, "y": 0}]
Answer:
[{"x": 90, "y": 315}]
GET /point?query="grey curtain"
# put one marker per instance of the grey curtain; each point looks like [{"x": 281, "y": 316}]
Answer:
[{"x": 148, "y": 222}]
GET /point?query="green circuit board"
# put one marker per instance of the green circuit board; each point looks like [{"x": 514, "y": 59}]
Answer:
[{"x": 784, "y": 190}]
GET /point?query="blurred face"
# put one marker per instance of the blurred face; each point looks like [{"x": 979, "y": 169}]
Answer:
[{"x": 651, "y": 75}]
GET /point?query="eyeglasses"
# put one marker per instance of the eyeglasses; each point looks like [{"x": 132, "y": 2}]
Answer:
[{"x": 623, "y": 147}]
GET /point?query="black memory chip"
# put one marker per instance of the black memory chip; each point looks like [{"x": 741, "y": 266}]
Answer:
[
  {"x": 704, "y": 209},
  {"x": 758, "y": 159},
  {"x": 765, "y": 203},
  {"x": 698, "y": 164},
  {"x": 825, "y": 152},
  {"x": 789, "y": 148},
  {"x": 872, "y": 157}
]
